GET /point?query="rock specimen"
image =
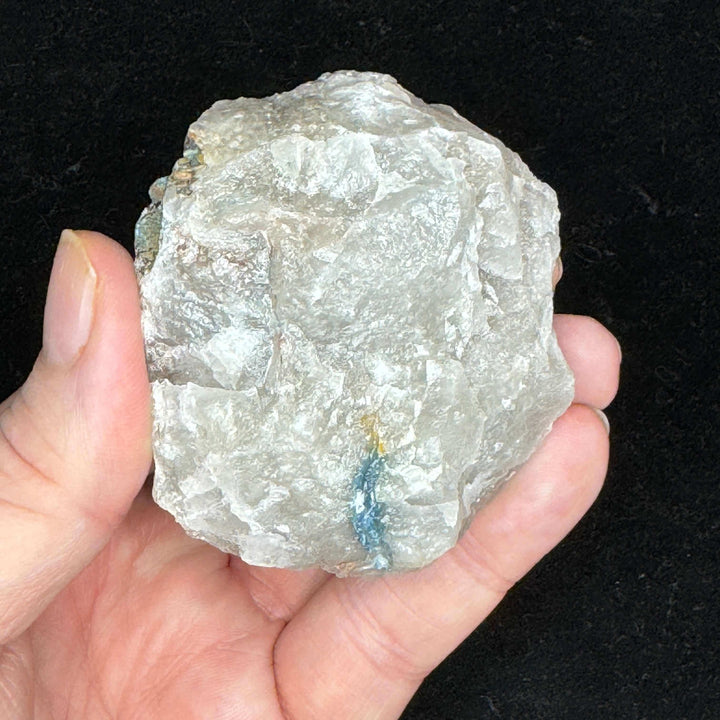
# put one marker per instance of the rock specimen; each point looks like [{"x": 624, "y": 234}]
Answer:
[{"x": 347, "y": 306}]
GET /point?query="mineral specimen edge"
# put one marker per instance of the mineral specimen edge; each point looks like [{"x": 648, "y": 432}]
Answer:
[{"x": 347, "y": 310}]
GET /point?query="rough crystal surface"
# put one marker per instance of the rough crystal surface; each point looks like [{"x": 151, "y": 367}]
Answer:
[{"x": 347, "y": 306}]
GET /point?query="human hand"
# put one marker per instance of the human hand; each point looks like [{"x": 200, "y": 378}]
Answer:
[{"x": 109, "y": 610}]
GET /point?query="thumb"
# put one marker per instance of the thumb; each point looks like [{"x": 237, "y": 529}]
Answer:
[{"x": 75, "y": 438}]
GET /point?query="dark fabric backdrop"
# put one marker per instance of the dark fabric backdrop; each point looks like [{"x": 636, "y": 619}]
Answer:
[{"x": 616, "y": 104}]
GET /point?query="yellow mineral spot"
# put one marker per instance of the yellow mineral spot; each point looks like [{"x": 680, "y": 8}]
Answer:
[{"x": 370, "y": 424}]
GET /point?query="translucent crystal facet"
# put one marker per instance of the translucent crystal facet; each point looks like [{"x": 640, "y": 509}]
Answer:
[{"x": 347, "y": 307}]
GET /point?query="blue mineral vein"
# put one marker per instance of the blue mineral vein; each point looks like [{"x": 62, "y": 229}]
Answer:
[{"x": 368, "y": 512}]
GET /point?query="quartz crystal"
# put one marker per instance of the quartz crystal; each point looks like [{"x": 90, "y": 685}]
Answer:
[{"x": 347, "y": 308}]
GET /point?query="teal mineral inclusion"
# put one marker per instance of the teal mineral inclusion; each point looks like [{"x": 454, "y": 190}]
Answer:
[{"x": 367, "y": 512}]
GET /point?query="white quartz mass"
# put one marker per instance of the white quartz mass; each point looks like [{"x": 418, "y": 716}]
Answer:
[{"x": 347, "y": 306}]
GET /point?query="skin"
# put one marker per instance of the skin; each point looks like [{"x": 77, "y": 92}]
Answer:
[{"x": 108, "y": 610}]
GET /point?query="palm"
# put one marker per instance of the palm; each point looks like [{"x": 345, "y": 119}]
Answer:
[{"x": 160, "y": 624}]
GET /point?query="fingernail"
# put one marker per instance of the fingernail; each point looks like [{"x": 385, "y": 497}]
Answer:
[
  {"x": 604, "y": 419},
  {"x": 70, "y": 301},
  {"x": 619, "y": 349},
  {"x": 557, "y": 272}
]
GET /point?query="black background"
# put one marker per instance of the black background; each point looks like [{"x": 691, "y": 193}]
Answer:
[{"x": 617, "y": 106}]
